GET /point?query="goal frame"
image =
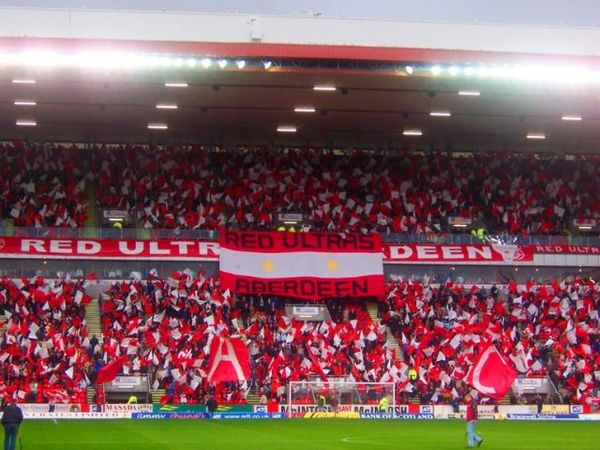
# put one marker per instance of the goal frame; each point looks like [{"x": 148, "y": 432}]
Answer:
[{"x": 340, "y": 386}]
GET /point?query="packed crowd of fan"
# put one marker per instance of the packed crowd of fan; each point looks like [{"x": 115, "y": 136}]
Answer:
[
  {"x": 165, "y": 328},
  {"x": 196, "y": 188},
  {"x": 543, "y": 330},
  {"x": 44, "y": 348},
  {"x": 42, "y": 186},
  {"x": 168, "y": 325}
]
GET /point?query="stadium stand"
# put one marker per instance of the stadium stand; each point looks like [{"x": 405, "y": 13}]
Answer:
[
  {"x": 45, "y": 351},
  {"x": 167, "y": 325},
  {"x": 198, "y": 188},
  {"x": 544, "y": 329},
  {"x": 42, "y": 185}
]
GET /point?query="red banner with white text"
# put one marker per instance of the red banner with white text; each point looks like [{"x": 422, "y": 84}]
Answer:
[
  {"x": 441, "y": 253},
  {"x": 163, "y": 249},
  {"x": 301, "y": 265},
  {"x": 196, "y": 250}
]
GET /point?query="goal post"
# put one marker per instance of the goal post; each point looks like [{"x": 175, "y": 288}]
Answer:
[{"x": 339, "y": 395}]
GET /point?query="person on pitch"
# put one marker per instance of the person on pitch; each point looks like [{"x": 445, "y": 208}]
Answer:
[
  {"x": 383, "y": 404},
  {"x": 12, "y": 416},
  {"x": 471, "y": 416}
]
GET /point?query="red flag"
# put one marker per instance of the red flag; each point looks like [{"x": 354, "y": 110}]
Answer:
[
  {"x": 229, "y": 360},
  {"x": 491, "y": 375},
  {"x": 110, "y": 371}
]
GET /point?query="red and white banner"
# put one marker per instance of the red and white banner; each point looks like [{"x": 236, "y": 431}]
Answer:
[
  {"x": 49, "y": 248},
  {"x": 195, "y": 250},
  {"x": 563, "y": 249},
  {"x": 301, "y": 265},
  {"x": 229, "y": 360},
  {"x": 447, "y": 253},
  {"x": 491, "y": 375}
]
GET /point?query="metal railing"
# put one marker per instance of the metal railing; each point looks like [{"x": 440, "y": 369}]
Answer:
[{"x": 392, "y": 238}]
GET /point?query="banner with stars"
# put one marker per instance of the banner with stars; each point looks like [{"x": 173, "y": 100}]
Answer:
[{"x": 309, "y": 266}]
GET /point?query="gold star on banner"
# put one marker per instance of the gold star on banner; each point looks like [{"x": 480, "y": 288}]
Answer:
[
  {"x": 268, "y": 266},
  {"x": 332, "y": 265}
]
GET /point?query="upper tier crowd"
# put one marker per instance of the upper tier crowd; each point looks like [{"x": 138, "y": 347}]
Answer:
[
  {"x": 197, "y": 188},
  {"x": 165, "y": 327}
]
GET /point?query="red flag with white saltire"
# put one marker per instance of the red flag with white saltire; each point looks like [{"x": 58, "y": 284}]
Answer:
[
  {"x": 490, "y": 374},
  {"x": 229, "y": 360}
]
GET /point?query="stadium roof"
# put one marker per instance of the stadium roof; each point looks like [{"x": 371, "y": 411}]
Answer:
[{"x": 383, "y": 97}]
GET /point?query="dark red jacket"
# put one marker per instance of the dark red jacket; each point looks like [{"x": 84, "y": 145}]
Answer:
[{"x": 471, "y": 411}]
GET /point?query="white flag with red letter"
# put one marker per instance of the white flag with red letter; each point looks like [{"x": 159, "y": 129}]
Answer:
[
  {"x": 491, "y": 375},
  {"x": 229, "y": 360}
]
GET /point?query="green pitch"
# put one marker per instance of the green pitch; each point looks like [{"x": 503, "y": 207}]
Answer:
[{"x": 302, "y": 434}]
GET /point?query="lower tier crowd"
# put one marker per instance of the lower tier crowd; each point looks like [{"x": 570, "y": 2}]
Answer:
[{"x": 165, "y": 328}]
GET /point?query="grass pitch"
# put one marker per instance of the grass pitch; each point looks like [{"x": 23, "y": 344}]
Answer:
[{"x": 303, "y": 434}]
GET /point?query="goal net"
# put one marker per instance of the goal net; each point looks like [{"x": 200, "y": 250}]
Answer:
[{"x": 338, "y": 395}]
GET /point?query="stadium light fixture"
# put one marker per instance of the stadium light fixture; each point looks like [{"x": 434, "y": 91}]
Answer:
[
  {"x": 191, "y": 62},
  {"x": 26, "y": 123},
  {"x": 440, "y": 113},
  {"x": 414, "y": 132},
  {"x": 409, "y": 70},
  {"x": 25, "y": 103},
  {"x": 454, "y": 70},
  {"x": 436, "y": 70},
  {"x": 305, "y": 109},
  {"x": 483, "y": 71},
  {"x": 324, "y": 87},
  {"x": 469, "y": 93},
  {"x": 176, "y": 84},
  {"x": 572, "y": 118},
  {"x": 539, "y": 136},
  {"x": 287, "y": 129},
  {"x": 469, "y": 71},
  {"x": 206, "y": 62},
  {"x": 240, "y": 64},
  {"x": 166, "y": 106},
  {"x": 178, "y": 62},
  {"x": 157, "y": 126},
  {"x": 23, "y": 81},
  {"x": 267, "y": 64}
]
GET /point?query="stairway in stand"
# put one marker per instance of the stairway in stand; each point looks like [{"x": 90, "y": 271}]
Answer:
[
  {"x": 91, "y": 224},
  {"x": 92, "y": 317},
  {"x": 2, "y": 325},
  {"x": 391, "y": 340},
  {"x": 157, "y": 395},
  {"x": 90, "y": 392},
  {"x": 252, "y": 399}
]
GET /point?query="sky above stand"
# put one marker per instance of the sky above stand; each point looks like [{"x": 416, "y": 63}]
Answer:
[{"x": 573, "y": 13}]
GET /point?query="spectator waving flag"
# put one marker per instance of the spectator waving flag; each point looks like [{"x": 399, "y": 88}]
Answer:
[
  {"x": 229, "y": 360},
  {"x": 491, "y": 375},
  {"x": 302, "y": 265}
]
